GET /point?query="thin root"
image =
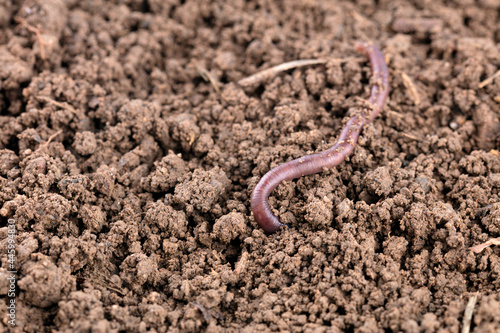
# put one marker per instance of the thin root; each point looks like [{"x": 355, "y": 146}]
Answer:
[
  {"x": 64, "y": 106},
  {"x": 52, "y": 137},
  {"x": 209, "y": 78},
  {"x": 408, "y": 82},
  {"x": 105, "y": 281},
  {"x": 34, "y": 30},
  {"x": 484, "y": 83}
]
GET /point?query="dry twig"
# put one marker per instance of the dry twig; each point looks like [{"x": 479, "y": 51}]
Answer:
[
  {"x": 264, "y": 75},
  {"x": 411, "y": 137},
  {"x": 479, "y": 248},
  {"x": 469, "y": 310},
  {"x": 62, "y": 105}
]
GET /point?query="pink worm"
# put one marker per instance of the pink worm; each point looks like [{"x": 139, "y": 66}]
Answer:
[{"x": 330, "y": 158}]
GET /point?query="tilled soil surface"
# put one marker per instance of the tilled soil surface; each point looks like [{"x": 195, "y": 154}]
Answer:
[{"x": 128, "y": 153}]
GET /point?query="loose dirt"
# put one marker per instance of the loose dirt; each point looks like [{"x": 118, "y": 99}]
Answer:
[{"x": 128, "y": 153}]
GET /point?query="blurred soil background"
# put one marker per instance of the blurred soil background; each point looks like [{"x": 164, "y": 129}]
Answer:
[{"x": 128, "y": 153}]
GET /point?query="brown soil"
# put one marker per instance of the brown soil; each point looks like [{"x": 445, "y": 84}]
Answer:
[{"x": 128, "y": 174}]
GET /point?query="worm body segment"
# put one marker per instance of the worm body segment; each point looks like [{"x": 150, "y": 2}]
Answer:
[{"x": 329, "y": 158}]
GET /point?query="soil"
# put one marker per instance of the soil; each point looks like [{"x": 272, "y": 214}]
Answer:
[{"x": 128, "y": 153}]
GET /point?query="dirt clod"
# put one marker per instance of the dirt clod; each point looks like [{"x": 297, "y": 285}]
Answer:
[{"x": 131, "y": 139}]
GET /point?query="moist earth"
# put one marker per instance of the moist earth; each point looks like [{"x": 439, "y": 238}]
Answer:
[{"x": 128, "y": 153}]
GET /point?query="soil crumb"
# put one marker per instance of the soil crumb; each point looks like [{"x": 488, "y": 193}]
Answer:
[{"x": 128, "y": 154}]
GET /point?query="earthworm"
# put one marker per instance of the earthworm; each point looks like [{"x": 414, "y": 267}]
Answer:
[{"x": 331, "y": 157}]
